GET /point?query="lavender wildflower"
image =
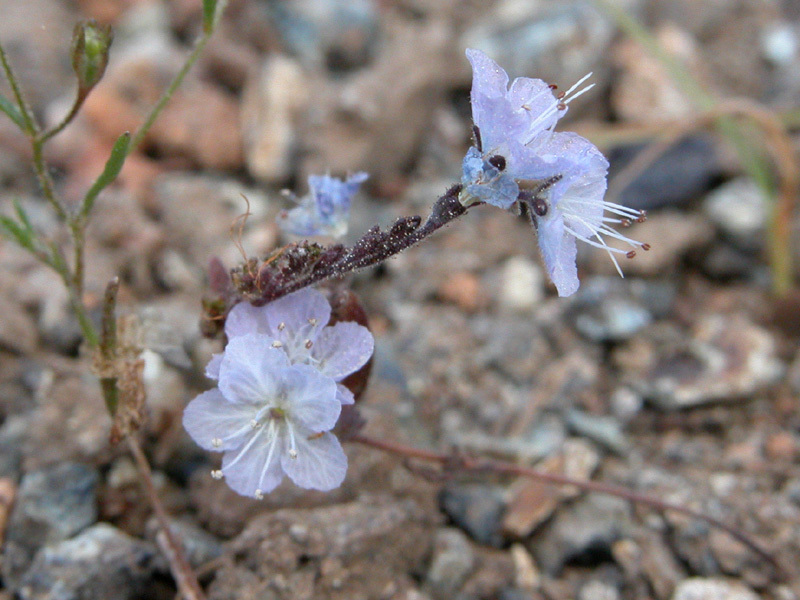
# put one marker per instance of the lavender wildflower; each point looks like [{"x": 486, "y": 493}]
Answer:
[
  {"x": 511, "y": 123},
  {"x": 570, "y": 206},
  {"x": 557, "y": 179},
  {"x": 270, "y": 418},
  {"x": 326, "y": 208},
  {"x": 298, "y": 325}
]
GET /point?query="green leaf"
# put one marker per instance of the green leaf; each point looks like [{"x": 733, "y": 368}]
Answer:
[
  {"x": 22, "y": 215},
  {"x": 113, "y": 166},
  {"x": 19, "y": 234},
  {"x": 209, "y": 15},
  {"x": 12, "y": 111}
]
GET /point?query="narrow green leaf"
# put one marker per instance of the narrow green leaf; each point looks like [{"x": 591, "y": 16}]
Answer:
[
  {"x": 12, "y": 111},
  {"x": 22, "y": 215},
  {"x": 209, "y": 15},
  {"x": 19, "y": 234},
  {"x": 113, "y": 166}
]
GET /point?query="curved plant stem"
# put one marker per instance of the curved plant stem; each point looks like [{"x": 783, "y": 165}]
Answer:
[
  {"x": 167, "y": 95},
  {"x": 25, "y": 112},
  {"x": 783, "y": 155},
  {"x": 475, "y": 465},
  {"x": 80, "y": 97},
  {"x": 181, "y": 570}
]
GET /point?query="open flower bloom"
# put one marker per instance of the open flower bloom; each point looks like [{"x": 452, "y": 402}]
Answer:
[
  {"x": 557, "y": 179},
  {"x": 511, "y": 123},
  {"x": 326, "y": 208},
  {"x": 270, "y": 418},
  {"x": 297, "y": 324}
]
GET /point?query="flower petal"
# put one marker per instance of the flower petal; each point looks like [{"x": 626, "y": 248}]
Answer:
[
  {"x": 559, "y": 253},
  {"x": 298, "y": 315},
  {"x": 535, "y": 100},
  {"x": 488, "y": 78},
  {"x": 212, "y": 368},
  {"x": 343, "y": 349},
  {"x": 245, "y": 318},
  {"x": 579, "y": 194},
  {"x": 250, "y": 370},
  {"x": 320, "y": 464},
  {"x": 255, "y": 468},
  {"x": 310, "y": 398},
  {"x": 344, "y": 395},
  {"x": 211, "y": 417}
]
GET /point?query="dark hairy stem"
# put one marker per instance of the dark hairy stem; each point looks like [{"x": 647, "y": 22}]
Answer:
[
  {"x": 476, "y": 465},
  {"x": 300, "y": 265}
]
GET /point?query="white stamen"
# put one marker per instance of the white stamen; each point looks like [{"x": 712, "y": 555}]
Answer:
[
  {"x": 259, "y": 495},
  {"x": 281, "y": 326},
  {"x": 566, "y": 99},
  {"x": 560, "y": 102},
  {"x": 217, "y": 442},
  {"x": 292, "y": 442},
  {"x": 602, "y": 244},
  {"x": 246, "y": 447},
  {"x": 272, "y": 445},
  {"x": 277, "y": 344},
  {"x": 313, "y": 322},
  {"x": 216, "y": 474}
]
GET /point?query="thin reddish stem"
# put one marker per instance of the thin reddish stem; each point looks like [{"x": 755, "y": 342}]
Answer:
[
  {"x": 181, "y": 570},
  {"x": 476, "y": 465}
]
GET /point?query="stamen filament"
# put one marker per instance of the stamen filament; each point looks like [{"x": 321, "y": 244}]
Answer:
[
  {"x": 292, "y": 441},
  {"x": 246, "y": 447}
]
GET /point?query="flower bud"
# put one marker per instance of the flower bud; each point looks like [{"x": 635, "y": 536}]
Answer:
[{"x": 90, "y": 45}]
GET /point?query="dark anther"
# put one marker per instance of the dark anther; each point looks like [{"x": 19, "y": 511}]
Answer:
[
  {"x": 645, "y": 247},
  {"x": 625, "y": 222},
  {"x": 561, "y": 106},
  {"x": 539, "y": 206},
  {"x": 631, "y": 254},
  {"x": 642, "y": 216},
  {"x": 553, "y": 86},
  {"x": 498, "y": 162},
  {"x": 477, "y": 133},
  {"x": 547, "y": 184},
  {"x": 561, "y": 95}
]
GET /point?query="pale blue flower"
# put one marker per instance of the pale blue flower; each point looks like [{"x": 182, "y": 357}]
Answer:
[
  {"x": 297, "y": 324},
  {"x": 270, "y": 418},
  {"x": 512, "y": 122},
  {"x": 326, "y": 208},
  {"x": 558, "y": 179}
]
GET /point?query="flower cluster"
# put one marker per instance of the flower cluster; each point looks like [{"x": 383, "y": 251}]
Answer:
[
  {"x": 278, "y": 394},
  {"x": 326, "y": 208},
  {"x": 557, "y": 179}
]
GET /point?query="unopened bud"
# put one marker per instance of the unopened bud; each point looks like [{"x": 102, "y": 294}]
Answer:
[{"x": 90, "y": 45}]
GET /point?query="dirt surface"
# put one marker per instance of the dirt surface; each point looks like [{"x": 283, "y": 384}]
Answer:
[{"x": 680, "y": 381}]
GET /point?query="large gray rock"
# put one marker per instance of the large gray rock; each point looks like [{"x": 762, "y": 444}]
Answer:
[
  {"x": 102, "y": 562},
  {"x": 582, "y": 531},
  {"x": 52, "y": 505}
]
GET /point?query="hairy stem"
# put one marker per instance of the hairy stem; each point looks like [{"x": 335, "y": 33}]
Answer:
[
  {"x": 474, "y": 465},
  {"x": 299, "y": 265}
]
